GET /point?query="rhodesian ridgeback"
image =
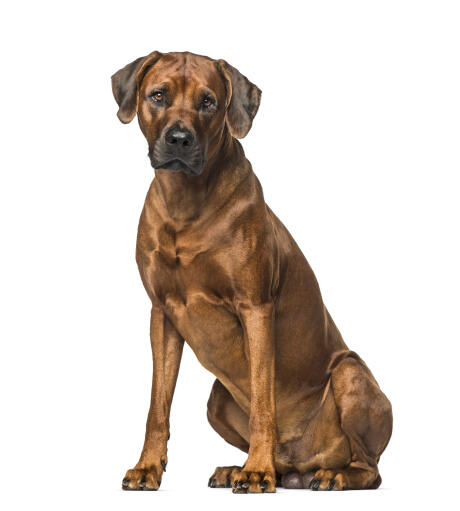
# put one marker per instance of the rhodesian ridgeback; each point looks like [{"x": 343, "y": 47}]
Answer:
[{"x": 224, "y": 275}]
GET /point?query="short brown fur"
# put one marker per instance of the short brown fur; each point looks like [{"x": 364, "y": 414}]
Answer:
[{"x": 225, "y": 275}]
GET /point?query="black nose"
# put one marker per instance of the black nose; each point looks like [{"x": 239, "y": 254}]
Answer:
[{"x": 180, "y": 138}]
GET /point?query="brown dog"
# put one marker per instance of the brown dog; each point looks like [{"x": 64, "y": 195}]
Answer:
[{"x": 224, "y": 274}]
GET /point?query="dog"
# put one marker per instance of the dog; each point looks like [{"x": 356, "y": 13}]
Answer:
[{"x": 224, "y": 275}]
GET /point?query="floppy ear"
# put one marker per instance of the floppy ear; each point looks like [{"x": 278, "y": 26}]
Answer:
[
  {"x": 243, "y": 100},
  {"x": 125, "y": 85}
]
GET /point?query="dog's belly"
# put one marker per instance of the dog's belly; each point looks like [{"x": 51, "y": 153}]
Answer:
[{"x": 216, "y": 337}]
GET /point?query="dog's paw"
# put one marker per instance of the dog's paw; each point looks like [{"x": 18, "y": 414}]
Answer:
[
  {"x": 247, "y": 481},
  {"x": 327, "y": 480},
  {"x": 345, "y": 479},
  {"x": 223, "y": 477},
  {"x": 147, "y": 478}
]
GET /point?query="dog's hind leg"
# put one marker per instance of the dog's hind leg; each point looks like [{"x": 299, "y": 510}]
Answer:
[
  {"x": 232, "y": 424},
  {"x": 366, "y": 420}
]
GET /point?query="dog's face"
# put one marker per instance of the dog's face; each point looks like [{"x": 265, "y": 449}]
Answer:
[
  {"x": 184, "y": 102},
  {"x": 181, "y": 111}
]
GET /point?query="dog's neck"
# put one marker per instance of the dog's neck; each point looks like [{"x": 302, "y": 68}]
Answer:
[{"x": 184, "y": 197}]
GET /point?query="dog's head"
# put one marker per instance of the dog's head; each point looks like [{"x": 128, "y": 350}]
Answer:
[{"x": 184, "y": 102}]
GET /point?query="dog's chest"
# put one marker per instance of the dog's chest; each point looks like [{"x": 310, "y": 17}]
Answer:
[
  {"x": 189, "y": 278},
  {"x": 170, "y": 262},
  {"x": 183, "y": 269}
]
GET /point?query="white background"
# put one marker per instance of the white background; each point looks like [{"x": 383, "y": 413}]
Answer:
[{"x": 357, "y": 146}]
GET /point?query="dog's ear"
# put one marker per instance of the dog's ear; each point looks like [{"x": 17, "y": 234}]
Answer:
[
  {"x": 243, "y": 100},
  {"x": 125, "y": 85}
]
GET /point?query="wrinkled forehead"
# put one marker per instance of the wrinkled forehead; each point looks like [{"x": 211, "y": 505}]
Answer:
[{"x": 184, "y": 73}]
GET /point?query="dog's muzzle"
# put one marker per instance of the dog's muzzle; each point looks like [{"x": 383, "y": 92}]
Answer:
[{"x": 178, "y": 151}]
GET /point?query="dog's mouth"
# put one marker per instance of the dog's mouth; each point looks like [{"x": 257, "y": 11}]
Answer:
[
  {"x": 178, "y": 159},
  {"x": 177, "y": 165}
]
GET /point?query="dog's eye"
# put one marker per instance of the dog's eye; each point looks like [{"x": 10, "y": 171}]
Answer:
[
  {"x": 157, "y": 96},
  {"x": 207, "y": 102}
]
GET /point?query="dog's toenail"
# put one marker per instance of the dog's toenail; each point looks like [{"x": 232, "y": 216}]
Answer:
[
  {"x": 163, "y": 464},
  {"x": 314, "y": 485},
  {"x": 331, "y": 485}
]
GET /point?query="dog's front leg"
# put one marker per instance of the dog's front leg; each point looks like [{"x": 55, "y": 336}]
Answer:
[
  {"x": 258, "y": 474},
  {"x": 167, "y": 347}
]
